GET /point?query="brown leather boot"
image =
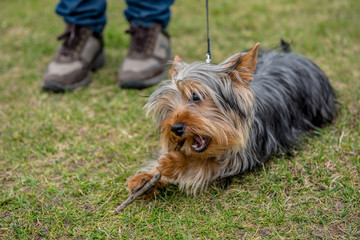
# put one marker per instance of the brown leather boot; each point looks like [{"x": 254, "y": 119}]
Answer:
[
  {"x": 146, "y": 62},
  {"x": 80, "y": 53}
]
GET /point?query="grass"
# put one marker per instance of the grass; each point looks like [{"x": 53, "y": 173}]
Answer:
[{"x": 64, "y": 158}]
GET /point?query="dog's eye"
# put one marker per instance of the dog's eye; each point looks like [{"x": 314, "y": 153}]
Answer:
[{"x": 195, "y": 97}]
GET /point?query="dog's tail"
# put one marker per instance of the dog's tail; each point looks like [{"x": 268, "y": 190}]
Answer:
[{"x": 285, "y": 46}]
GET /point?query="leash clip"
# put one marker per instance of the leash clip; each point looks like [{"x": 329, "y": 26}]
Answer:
[{"x": 208, "y": 58}]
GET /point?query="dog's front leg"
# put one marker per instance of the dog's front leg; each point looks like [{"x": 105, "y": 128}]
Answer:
[
  {"x": 172, "y": 165},
  {"x": 179, "y": 169},
  {"x": 169, "y": 165}
]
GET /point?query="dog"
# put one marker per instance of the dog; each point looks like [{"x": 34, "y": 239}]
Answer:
[{"x": 218, "y": 120}]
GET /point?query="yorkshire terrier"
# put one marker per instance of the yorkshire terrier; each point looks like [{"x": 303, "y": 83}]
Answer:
[{"x": 218, "y": 120}]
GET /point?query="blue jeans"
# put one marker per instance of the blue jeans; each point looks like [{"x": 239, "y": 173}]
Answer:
[{"x": 92, "y": 13}]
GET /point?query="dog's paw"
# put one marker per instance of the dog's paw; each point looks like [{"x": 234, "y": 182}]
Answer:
[
  {"x": 171, "y": 164},
  {"x": 138, "y": 182}
]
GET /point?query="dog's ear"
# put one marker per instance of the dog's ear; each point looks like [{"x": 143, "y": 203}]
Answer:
[
  {"x": 173, "y": 67},
  {"x": 245, "y": 63}
]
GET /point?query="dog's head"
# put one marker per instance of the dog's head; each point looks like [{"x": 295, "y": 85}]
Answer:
[{"x": 205, "y": 109}]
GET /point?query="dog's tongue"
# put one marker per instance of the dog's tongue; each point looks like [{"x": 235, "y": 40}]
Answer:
[{"x": 200, "y": 143}]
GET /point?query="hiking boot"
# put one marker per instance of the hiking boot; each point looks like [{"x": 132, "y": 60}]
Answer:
[
  {"x": 146, "y": 62},
  {"x": 80, "y": 53}
]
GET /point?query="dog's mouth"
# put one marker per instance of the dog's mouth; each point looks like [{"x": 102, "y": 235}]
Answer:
[{"x": 201, "y": 143}]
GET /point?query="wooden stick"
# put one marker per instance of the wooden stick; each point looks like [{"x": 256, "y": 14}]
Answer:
[{"x": 151, "y": 183}]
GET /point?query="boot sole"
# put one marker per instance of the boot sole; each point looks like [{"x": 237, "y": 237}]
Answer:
[{"x": 98, "y": 62}]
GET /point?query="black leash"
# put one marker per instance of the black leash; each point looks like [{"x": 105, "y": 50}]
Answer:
[{"x": 208, "y": 54}]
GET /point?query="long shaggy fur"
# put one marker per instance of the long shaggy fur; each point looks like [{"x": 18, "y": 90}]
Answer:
[{"x": 242, "y": 115}]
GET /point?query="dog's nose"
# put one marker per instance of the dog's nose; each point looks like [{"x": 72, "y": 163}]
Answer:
[{"x": 178, "y": 129}]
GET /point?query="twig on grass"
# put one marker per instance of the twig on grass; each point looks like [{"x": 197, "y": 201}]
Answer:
[{"x": 150, "y": 184}]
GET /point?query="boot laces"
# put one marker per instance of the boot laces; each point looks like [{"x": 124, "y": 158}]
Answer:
[
  {"x": 141, "y": 38},
  {"x": 72, "y": 39}
]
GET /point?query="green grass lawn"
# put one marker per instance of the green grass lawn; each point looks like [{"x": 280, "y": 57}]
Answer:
[{"x": 64, "y": 158}]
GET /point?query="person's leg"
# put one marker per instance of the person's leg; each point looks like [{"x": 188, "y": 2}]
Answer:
[
  {"x": 81, "y": 50},
  {"x": 146, "y": 62},
  {"x": 146, "y": 13},
  {"x": 90, "y": 13}
]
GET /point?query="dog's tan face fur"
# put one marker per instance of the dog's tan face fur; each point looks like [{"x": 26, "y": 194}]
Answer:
[{"x": 208, "y": 130}]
